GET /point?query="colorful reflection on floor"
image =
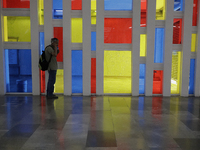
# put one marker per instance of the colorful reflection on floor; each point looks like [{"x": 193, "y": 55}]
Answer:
[{"x": 104, "y": 122}]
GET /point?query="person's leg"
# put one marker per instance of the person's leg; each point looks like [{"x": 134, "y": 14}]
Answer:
[{"x": 51, "y": 82}]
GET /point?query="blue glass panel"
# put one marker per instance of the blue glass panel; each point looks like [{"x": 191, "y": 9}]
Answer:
[
  {"x": 159, "y": 40},
  {"x": 192, "y": 73},
  {"x": 18, "y": 70},
  {"x": 77, "y": 80},
  {"x": 93, "y": 41},
  {"x": 57, "y": 9},
  {"x": 41, "y": 42},
  {"x": 178, "y": 5},
  {"x": 118, "y": 4},
  {"x": 142, "y": 79}
]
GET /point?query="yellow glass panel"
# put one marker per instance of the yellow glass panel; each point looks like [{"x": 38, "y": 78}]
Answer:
[
  {"x": 175, "y": 74},
  {"x": 160, "y": 9},
  {"x": 17, "y": 29},
  {"x": 117, "y": 71},
  {"x": 193, "y": 44},
  {"x": 5, "y": 29},
  {"x": 143, "y": 45},
  {"x": 93, "y": 11},
  {"x": 76, "y": 25},
  {"x": 59, "y": 86},
  {"x": 41, "y": 12}
]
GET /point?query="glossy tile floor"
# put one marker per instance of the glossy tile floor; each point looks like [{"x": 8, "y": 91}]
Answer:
[{"x": 99, "y": 123}]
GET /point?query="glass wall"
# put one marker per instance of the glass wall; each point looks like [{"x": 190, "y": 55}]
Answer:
[
  {"x": 175, "y": 73},
  {"x": 17, "y": 29},
  {"x": 142, "y": 78},
  {"x": 119, "y": 5},
  {"x": 77, "y": 72},
  {"x": 117, "y": 30},
  {"x": 16, "y": 3},
  {"x": 159, "y": 43},
  {"x": 117, "y": 71},
  {"x": 18, "y": 70}
]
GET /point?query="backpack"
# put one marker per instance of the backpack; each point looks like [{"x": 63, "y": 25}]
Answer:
[{"x": 43, "y": 63}]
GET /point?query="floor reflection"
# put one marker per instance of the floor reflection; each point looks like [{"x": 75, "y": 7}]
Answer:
[{"x": 113, "y": 122}]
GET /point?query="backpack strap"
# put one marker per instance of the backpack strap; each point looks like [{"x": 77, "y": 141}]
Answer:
[{"x": 51, "y": 55}]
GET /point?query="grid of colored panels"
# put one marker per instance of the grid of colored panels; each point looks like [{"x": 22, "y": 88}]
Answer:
[
  {"x": 18, "y": 70},
  {"x": 157, "y": 81},
  {"x": 58, "y": 33},
  {"x": 77, "y": 71},
  {"x": 159, "y": 43},
  {"x": 118, "y": 5},
  {"x": 175, "y": 73},
  {"x": 192, "y": 76},
  {"x": 16, "y": 3},
  {"x": 59, "y": 85},
  {"x": 117, "y": 30},
  {"x": 117, "y": 71},
  {"x": 17, "y": 29},
  {"x": 76, "y": 24},
  {"x": 177, "y": 31}
]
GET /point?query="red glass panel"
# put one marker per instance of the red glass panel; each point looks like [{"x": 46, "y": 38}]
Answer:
[
  {"x": 42, "y": 81},
  {"x": 76, "y": 4},
  {"x": 118, "y": 30},
  {"x": 93, "y": 75},
  {"x": 177, "y": 31},
  {"x": 58, "y": 33},
  {"x": 157, "y": 107},
  {"x": 143, "y": 13},
  {"x": 157, "y": 81},
  {"x": 16, "y": 3},
  {"x": 195, "y": 6}
]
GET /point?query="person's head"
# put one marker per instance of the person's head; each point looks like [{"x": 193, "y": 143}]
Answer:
[{"x": 54, "y": 41}]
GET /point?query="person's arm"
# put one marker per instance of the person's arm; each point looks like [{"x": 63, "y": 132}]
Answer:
[{"x": 54, "y": 53}]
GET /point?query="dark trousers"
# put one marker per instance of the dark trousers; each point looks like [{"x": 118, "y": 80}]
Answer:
[{"x": 51, "y": 82}]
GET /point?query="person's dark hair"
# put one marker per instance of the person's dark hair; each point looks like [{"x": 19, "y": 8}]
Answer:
[{"x": 54, "y": 40}]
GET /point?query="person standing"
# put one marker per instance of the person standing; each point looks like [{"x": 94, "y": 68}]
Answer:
[{"x": 51, "y": 52}]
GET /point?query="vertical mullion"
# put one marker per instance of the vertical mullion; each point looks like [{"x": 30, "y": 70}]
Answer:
[
  {"x": 151, "y": 12},
  {"x": 186, "y": 47},
  {"x": 197, "y": 62},
  {"x": 2, "y": 68},
  {"x": 48, "y": 26},
  {"x": 100, "y": 48},
  {"x": 168, "y": 48},
  {"x": 34, "y": 46},
  {"x": 86, "y": 47},
  {"x": 67, "y": 47},
  {"x": 136, "y": 47}
]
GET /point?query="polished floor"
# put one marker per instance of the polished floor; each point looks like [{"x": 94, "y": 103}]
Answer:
[{"x": 99, "y": 123}]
